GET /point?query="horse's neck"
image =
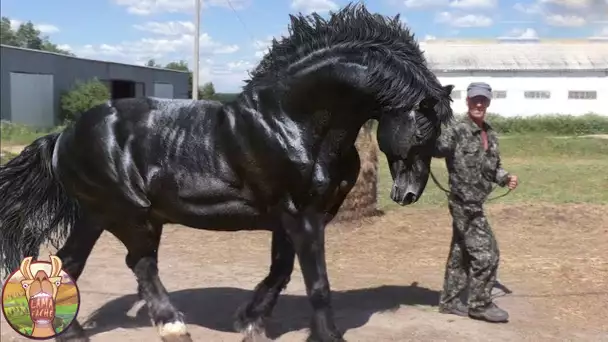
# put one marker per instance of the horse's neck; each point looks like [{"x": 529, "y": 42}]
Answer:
[
  {"x": 315, "y": 125},
  {"x": 305, "y": 132}
]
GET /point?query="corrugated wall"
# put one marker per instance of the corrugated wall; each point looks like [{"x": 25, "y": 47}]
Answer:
[{"x": 67, "y": 70}]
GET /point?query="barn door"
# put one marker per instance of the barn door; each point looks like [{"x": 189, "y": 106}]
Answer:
[
  {"x": 163, "y": 90},
  {"x": 32, "y": 100}
]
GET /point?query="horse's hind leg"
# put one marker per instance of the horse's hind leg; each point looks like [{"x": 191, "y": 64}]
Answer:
[
  {"x": 74, "y": 255},
  {"x": 251, "y": 316},
  {"x": 142, "y": 242}
]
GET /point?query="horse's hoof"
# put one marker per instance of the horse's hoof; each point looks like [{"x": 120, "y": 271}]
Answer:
[
  {"x": 174, "y": 332},
  {"x": 248, "y": 325},
  {"x": 62, "y": 338},
  {"x": 325, "y": 339},
  {"x": 256, "y": 337},
  {"x": 254, "y": 332},
  {"x": 177, "y": 338},
  {"x": 240, "y": 319}
]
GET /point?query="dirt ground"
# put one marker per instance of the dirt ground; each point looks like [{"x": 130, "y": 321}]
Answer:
[{"x": 385, "y": 273}]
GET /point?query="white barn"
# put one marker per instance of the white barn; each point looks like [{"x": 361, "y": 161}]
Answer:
[{"x": 528, "y": 78}]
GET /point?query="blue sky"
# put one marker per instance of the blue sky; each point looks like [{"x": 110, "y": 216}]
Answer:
[{"x": 133, "y": 31}]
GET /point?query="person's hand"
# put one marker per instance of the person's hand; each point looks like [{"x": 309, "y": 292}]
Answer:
[{"x": 512, "y": 182}]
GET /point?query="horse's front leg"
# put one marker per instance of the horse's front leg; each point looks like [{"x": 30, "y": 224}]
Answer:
[
  {"x": 307, "y": 232},
  {"x": 251, "y": 317},
  {"x": 350, "y": 166}
]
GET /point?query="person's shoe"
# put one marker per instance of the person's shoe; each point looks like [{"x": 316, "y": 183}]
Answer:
[
  {"x": 490, "y": 313},
  {"x": 458, "y": 308}
]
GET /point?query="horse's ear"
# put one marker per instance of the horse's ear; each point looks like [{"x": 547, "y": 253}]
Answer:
[
  {"x": 448, "y": 89},
  {"x": 428, "y": 103}
]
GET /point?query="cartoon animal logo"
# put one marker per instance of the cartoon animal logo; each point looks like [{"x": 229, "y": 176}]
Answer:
[{"x": 40, "y": 297}]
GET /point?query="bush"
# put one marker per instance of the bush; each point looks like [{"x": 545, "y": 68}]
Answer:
[
  {"x": 550, "y": 124},
  {"x": 82, "y": 97}
]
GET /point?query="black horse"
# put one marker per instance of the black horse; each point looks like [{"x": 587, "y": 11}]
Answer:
[{"x": 281, "y": 157}]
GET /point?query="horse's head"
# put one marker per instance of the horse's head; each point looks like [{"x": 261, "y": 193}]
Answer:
[
  {"x": 408, "y": 138},
  {"x": 357, "y": 66}
]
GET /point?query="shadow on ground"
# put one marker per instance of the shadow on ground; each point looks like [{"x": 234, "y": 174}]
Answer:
[{"x": 214, "y": 308}]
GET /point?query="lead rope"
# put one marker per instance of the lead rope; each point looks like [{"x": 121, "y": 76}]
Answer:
[{"x": 448, "y": 192}]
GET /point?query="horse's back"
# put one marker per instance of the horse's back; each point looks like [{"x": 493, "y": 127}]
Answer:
[{"x": 115, "y": 150}]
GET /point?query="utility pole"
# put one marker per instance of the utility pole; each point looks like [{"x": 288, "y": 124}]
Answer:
[{"x": 197, "y": 30}]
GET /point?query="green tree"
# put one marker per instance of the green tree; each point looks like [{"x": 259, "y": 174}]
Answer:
[
  {"x": 83, "y": 96},
  {"x": 7, "y": 35},
  {"x": 207, "y": 91},
  {"x": 50, "y": 47},
  {"x": 27, "y": 36},
  {"x": 152, "y": 63},
  {"x": 179, "y": 66}
]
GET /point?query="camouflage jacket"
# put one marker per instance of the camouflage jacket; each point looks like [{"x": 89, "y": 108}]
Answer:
[{"x": 471, "y": 169}]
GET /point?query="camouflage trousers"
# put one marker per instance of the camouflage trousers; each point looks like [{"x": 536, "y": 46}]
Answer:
[{"x": 473, "y": 258}]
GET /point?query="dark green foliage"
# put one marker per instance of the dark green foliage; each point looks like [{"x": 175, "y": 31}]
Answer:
[
  {"x": 550, "y": 124},
  {"x": 226, "y": 97},
  {"x": 83, "y": 96}
]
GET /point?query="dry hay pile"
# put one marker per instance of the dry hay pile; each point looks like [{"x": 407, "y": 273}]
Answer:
[{"x": 363, "y": 198}]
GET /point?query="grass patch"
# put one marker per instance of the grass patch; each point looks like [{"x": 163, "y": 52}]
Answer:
[
  {"x": 17, "y": 134},
  {"x": 551, "y": 170},
  {"x": 5, "y": 157}
]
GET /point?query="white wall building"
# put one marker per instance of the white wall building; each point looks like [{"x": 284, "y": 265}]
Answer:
[{"x": 528, "y": 78}]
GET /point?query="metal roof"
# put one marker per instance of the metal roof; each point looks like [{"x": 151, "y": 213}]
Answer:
[
  {"x": 161, "y": 69},
  {"x": 509, "y": 56}
]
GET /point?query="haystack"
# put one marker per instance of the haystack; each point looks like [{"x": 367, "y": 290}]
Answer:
[{"x": 363, "y": 198}]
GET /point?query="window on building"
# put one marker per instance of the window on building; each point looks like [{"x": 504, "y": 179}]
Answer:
[
  {"x": 582, "y": 95},
  {"x": 537, "y": 94},
  {"x": 456, "y": 94},
  {"x": 499, "y": 94}
]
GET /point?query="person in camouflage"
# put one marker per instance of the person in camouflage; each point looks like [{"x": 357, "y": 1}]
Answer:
[{"x": 470, "y": 149}]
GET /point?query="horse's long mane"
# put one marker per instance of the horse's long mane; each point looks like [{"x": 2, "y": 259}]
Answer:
[{"x": 398, "y": 69}]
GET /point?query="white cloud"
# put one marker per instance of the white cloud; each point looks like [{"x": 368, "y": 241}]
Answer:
[
  {"x": 565, "y": 20},
  {"x": 148, "y": 7},
  {"x": 425, "y": 3},
  {"x": 521, "y": 34},
  {"x": 173, "y": 41},
  {"x": 64, "y": 47},
  {"x": 146, "y": 48},
  {"x": 261, "y": 46},
  {"x": 572, "y": 4},
  {"x": 43, "y": 28},
  {"x": 226, "y": 77},
  {"x": 601, "y": 34},
  {"x": 570, "y": 13},
  {"x": 474, "y": 3},
  {"x": 528, "y": 8},
  {"x": 451, "y": 3},
  {"x": 169, "y": 28},
  {"x": 47, "y": 29},
  {"x": 309, "y": 6},
  {"x": 469, "y": 20}
]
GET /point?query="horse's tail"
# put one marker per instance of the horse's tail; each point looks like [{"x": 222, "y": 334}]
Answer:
[{"x": 34, "y": 206}]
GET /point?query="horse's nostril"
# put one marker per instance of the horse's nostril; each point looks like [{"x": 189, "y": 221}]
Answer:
[{"x": 410, "y": 197}]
